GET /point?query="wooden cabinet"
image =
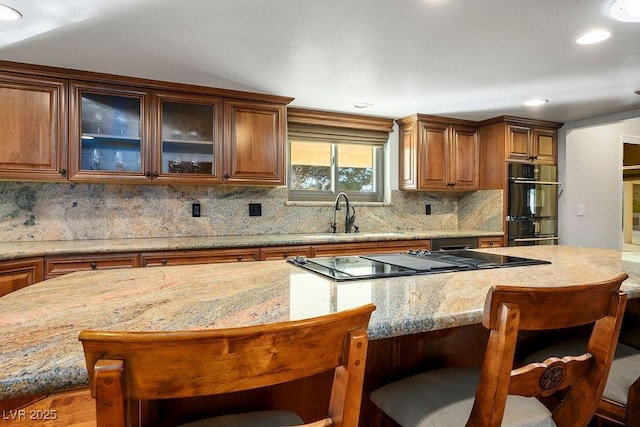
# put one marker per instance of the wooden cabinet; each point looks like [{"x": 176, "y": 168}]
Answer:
[
  {"x": 360, "y": 248},
  {"x": 17, "y": 274},
  {"x": 284, "y": 252},
  {"x": 59, "y": 265},
  {"x": 489, "y": 242},
  {"x": 187, "y": 139},
  {"x": 438, "y": 153},
  {"x": 60, "y": 124},
  {"x": 255, "y": 136},
  {"x": 151, "y": 259},
  {"x": 109, "y": 133},
  {"x": 531, "y": 144},
  {"x": 33, "y": 131},
  {"x": 512, "y": 139}
]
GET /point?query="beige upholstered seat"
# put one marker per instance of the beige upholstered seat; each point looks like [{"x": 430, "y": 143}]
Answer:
[
  {"x": 163, "y": 365},
  {"x": 499, "y": 395},
  {"x": 621, "y": 397}
]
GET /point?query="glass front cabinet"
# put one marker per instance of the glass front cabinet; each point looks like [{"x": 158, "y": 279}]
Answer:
[
  {"x": 109, "y": 133},
  {"x": 187, "y": 130},
  {"x": 124, "y": 135}
]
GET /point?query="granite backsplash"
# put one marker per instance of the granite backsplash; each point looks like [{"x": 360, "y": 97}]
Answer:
[{"x": 52, "y": 211}]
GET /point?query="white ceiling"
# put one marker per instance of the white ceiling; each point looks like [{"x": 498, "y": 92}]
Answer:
[{"x": 472, "y": 59}]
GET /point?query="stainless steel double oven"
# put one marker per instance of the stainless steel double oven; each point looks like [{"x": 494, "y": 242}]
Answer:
[{"x": 532, "y": 215}]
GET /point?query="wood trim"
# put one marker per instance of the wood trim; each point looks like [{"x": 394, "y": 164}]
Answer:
[
  {"x": 521, "y": 121},
  {"x": 341, "y": 120},
  {"x": 66, "y": 73}
]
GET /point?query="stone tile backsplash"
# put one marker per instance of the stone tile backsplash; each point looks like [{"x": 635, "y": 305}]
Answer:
[{"x": 53, "y": 211}]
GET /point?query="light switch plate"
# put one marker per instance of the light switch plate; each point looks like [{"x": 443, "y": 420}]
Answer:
[{"x": 581, "y": 210}]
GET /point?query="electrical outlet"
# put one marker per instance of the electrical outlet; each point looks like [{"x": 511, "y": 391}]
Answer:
[
  {"x": 195, "y": 210},
  {"x": 427, "y": 209},
  {"x": 255, "y": 209}
]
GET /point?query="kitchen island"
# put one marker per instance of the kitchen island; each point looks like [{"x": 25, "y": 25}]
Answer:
[{"x": 39, "y": 324}]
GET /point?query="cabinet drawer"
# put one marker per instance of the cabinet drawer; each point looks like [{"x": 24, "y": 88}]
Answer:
[
  {"x": 56, "y": 266},
  {"x": 199, "y": 257},
  {"x": 284, "y": 252},
  {"x": 489, "y": 242},
  {"x": 337, "y": 249}
]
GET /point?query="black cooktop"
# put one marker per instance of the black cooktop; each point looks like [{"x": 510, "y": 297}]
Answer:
[{"x": 358, "y": 267}]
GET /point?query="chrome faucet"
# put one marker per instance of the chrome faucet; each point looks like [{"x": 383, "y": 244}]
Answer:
[{"x": 350, "y": 215}]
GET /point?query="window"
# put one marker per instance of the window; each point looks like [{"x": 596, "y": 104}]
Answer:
[{"x": 326, "y": 157}]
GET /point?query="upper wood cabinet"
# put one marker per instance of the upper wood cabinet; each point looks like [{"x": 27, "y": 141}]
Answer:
[
  {"x": 187, "y": 138},
  {"x": 33, "y": 138},
  {"x": 118, "y": 129},
  {"x": 109, "y": 133},
  {"x": 254, "y": 143},
  {"x": 531, "y": 144},
  {"x": 513, "y": 139},
  {"x": 438, "y": 153}
]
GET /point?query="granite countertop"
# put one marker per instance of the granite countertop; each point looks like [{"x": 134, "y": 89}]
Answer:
[
  {"x": 25, "y": 249},
  {"x": 39, "y": 324}
]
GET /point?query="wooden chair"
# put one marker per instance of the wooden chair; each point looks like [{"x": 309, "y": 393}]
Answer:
[
  {"x": 160, "y": 365},
  {"x": 478, "y": 397}
]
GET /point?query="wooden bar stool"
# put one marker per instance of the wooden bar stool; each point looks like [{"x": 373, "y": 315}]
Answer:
[
  {"x": 499, "y": 395},
  {"x": 162, "y": 365}
]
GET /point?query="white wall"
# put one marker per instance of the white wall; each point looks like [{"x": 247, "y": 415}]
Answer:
[{"x": 590, "y": 170}]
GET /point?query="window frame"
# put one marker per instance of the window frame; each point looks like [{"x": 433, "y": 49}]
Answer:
[
  {"x": 359, "y": 196},
  {"x": 339, "y": 129}
]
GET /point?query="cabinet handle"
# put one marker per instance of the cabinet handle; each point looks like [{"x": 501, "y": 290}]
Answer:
[
  {"x": 94, "y": 265},
  {"x": 147, "y": 174},
  {"x": 286, "y": 254},
  {"x": 239, "y": 257},
  {"x": 63, "y": 172},
  {"x": 226, "y": 176},
  {"x": 156, "y": 174},
  {"x": 164, "y": 261}
]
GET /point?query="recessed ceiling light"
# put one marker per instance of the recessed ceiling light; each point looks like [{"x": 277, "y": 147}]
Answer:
[
  {"x": 362, "y": 105},
  {"x": 9, "y": 14},
  {"x": 625, "y": 10},
  {"x": 535, "y": 101},
  {"x": 595, "y": 36}
]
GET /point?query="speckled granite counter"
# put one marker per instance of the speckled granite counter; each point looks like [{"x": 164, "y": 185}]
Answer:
[
  {"x": 21, "y": 249},
  {"x": 39, "y": 324}
]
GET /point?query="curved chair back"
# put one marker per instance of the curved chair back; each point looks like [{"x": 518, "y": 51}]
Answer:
[
  {"x": 159, "y": 365},
  {"x": 509, "y": 309}
]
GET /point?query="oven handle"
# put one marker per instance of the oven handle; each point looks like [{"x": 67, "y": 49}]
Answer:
[
  {"x": 535, "y": 239},
  {"x": 518, "y": 181}
]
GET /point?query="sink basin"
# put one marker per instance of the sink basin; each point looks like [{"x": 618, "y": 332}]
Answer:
[{"x": 350, "y": 235}]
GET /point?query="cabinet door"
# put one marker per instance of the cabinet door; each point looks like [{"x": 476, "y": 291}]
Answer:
[
  {"x": 544, "y": 146},
  {"x": 464, "y": 167},
  {"x": 433, "y": 157},
  {"x": 15, "y": 275},
  {"x": 109, "y": 134},
  {"x": 519, "y": 139},
  {"x": 408, "y": 152},
  {"x": 33, "y": 141},
  {"x": 188, "y": 138},
  {"x": 254, "y": 143}
]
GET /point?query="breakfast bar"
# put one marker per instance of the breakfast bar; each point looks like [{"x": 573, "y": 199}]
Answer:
[{"x": 39, "y": 324}]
